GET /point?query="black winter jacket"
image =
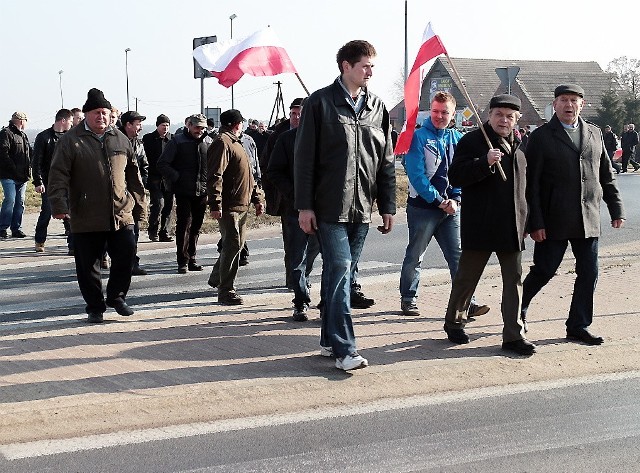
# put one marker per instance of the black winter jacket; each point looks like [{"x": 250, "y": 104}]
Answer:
[
  {"x": 184, "y": 164},
  {"x": 43, "y": 148},
  {"x": 343, "y": 161},
  {"x": 15, "y": 154},
  {"x": 153, "y": 146}
]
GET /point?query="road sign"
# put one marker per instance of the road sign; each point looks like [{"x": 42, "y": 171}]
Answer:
[
  {"x": 199, "y": 72},
  {"x": 467, "y": 113}
]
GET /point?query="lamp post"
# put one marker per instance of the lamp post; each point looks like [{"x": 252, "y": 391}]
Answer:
[
  {"x": 231, "y": 18},
  {"x": 126, "y": 71},
  {"x": 61, "y": 97}
]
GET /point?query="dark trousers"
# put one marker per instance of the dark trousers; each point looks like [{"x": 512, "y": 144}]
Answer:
[
  {"x": 232, "y": 232},
  {"x": 547, "y": 256},
  {"x": 189, "y": 216},
  {"x": 627, "y": 157},
  {"x": 470, "y": 268},
  {"x": 160, "y": 207},
  {"x": 44, "y": 219},
  {"x": 303, "y": 250},
  {"x": 89, "y": 248}
]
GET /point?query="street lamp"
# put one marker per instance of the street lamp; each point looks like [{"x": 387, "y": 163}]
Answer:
[
  {"x": 232, "y": 17},
  {"x": 126, "y": 70},
  {"x": 61, "y": 97}
]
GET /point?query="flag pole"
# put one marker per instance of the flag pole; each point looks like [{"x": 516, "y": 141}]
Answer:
[
  {"x": 302, "y": 84},
  {"x": 475, "y": 112}
]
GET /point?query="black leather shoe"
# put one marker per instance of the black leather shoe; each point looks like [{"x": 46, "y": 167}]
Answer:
[
  {"x": 138, "y": 271},
  {"x": 193, "y": 266},
  {"x": 95, "y": 318},
  {"x": 121, "y": 307},
  {"x": 182, "y": 270},
  {"x": 585, "y": 337},
  {"x": 359, "y": 301},
  {"x": 244, "y": 261},
  {"x": 153, "y": 237},
  {"x": 165, "y": 237},
  {"x": 229, "y": 298},
  {"x": 456, "y": 335},
  {"x": 520, "y": 347},
  {"x": 18, "y": 234},
  {"x": 3, "y": 234},
  {"x": 212, "y": 283}
]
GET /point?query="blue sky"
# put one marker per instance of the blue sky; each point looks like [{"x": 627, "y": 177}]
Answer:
[{"x": 86, "y": 39}]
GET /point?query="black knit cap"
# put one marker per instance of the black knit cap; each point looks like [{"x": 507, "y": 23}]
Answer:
[
  {"x": 162, "y": 118},
  {"x": 231, "y": 117},
  {"x": 505, "y": 101},
  {"x": 95, "y": 99}
]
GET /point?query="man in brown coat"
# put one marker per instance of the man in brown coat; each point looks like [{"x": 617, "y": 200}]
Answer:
[
  {"x": 94, "y": 179},
  {"x": 230, "y": 189},
  {"x": 493, "y": 219},
  {"x": 569, "y": 172}
]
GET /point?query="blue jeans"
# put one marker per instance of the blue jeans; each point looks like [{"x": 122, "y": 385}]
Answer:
[
  {"x": 423, "y": 225},
  {"x": 303, "y": 250},
  {"x": 547, "y": 256},
  {"x": 12, "y": 205},
  {"x": 341, "y": 245},
  {"x": 44, "y": 219}
]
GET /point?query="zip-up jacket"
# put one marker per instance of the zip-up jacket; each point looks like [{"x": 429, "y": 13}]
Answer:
[
  {"x": 15, "y": 154},
  {"x": 184, "y": 163},
  {"x": 43, "y": 148},
  {"x": 96, "y": 182},
  {"x": 427, "y": 165},
  {"x": 344, "y": 161}
]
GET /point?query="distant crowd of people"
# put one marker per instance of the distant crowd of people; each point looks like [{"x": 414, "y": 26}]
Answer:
[{"x": 323, "y": 171}]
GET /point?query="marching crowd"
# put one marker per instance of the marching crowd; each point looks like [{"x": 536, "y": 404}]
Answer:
[{"x": 322, "y": 171}]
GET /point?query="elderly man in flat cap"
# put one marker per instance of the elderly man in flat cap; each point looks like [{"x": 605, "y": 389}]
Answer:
[
  {"x": 493, "y": 218},
  {"x": 94, "y": 179},
  {"x": 15, "y": 170},
  {"x": 569, "y": 172}
]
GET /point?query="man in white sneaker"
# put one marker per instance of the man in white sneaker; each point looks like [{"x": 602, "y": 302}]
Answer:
[{"x": 343, "y": 162}]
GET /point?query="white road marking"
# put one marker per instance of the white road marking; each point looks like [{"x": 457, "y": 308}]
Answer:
[{"x": 41, "y": 448}]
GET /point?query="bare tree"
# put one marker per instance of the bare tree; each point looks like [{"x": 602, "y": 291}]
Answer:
[{"x": 627, "y": 73}]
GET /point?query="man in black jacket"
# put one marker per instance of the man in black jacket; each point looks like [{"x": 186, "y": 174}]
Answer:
[
  {"x": 343, "y": 163},
  {"x": 628, "y": 142},
  {"x": 302, "y": 248},
  {"x": 611, "y": 145},
  {"x": 160, "y": 198},
  {"x": 184, "y": 164},
  {"x": 43, "y": 148},
  {"x": 493, "y": 217},
  {"x": 15, "y": 169}
]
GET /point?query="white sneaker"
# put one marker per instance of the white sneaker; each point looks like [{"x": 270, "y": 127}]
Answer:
[
  {"x": 351, "y": 362},
  {"x": 326, "y": 351}
]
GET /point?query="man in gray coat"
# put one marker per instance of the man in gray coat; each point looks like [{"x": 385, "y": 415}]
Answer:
[{"x": 568, "y": 174}]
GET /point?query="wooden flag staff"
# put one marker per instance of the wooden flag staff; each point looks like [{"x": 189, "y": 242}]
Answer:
[{"x": 475, "y": 112}]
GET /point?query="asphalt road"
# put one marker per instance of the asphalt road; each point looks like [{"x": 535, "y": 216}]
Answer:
[{"x": 566, "y": 426}]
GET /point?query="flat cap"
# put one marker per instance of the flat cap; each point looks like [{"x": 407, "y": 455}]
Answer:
[
  {"x": 198, "y": 120},
  {"x": 505, "y": 101},
  {"x": 19, "y": 116},
  {"x": 568, "y": 89},
  {"x": 296, "y": 103},
  {"x": 231, "y": 117},
  {"x": 131, "y": 116}
]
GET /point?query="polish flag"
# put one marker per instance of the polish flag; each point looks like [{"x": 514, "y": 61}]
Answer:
[
  {"x": 260, "y": 54},
  {"x": 431, "y": 47}
]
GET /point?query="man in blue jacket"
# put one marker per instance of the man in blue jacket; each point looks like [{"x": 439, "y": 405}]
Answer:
[{"x": 432, "y": 206}]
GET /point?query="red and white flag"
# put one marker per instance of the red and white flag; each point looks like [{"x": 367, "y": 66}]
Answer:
[
  {"x": 260, "y": 54},
  {"x": 431, "y": 47}
]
